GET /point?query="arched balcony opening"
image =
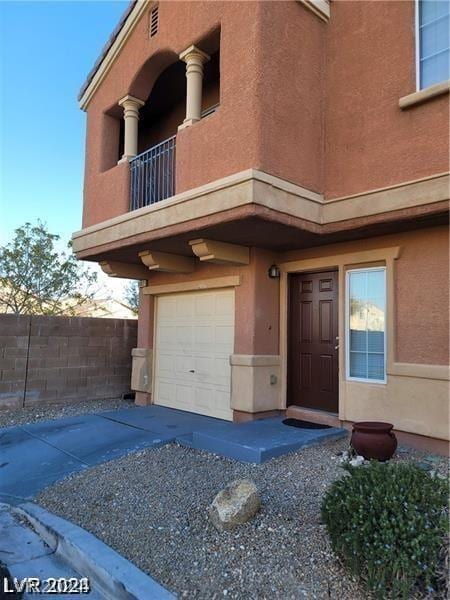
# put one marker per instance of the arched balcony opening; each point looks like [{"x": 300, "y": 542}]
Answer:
[
  {"x": 184, "y": 92},
  {"x": 153, "y": 169},
  {"x": 164, "y": 107}
]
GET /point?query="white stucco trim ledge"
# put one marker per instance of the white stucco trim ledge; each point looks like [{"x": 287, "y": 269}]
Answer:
[
  {"x": 421, "y": 371},
  {"x": 219, "y": 184},
  {"x": 255, "y": 360},
  {"x": 423, "y": 95},
  {"x": 238, "y": 189},
  {"x": 257, "y": 188}
]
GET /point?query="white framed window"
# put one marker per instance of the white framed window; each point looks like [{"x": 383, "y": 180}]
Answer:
[
  {"x": 366, "y": 324},
  {"x": 432, "y": 42}
]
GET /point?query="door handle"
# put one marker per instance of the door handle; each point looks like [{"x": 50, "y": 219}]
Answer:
[
  {"x": 336, "y": 347},
  {"x": 192, "y": 371}
]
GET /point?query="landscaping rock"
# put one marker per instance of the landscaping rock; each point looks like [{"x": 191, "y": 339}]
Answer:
[{"x": 234, "y": 505}]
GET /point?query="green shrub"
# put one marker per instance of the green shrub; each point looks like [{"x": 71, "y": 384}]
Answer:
[{"x": 387, "y": 523}]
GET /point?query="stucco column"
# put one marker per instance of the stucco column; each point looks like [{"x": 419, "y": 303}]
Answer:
[
  {"x": 141, "y": 375},
  {"x": 194, "y": 59},
  {"x": 131, "y": 108}
]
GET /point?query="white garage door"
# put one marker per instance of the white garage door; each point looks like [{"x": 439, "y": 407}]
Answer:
[{"x": 194, "y": 340}]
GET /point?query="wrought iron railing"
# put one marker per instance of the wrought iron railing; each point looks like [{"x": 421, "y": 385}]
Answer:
[{"x": 153, "y": 175}]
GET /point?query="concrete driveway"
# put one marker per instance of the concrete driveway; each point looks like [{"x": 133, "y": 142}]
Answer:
[{"x": 34, "y": 456}]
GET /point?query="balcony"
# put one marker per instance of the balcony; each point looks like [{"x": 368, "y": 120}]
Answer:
[{"x": 152, "y": 174}]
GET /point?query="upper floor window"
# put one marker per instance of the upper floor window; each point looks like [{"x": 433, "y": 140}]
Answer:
[{"x": 433, "y": 42}]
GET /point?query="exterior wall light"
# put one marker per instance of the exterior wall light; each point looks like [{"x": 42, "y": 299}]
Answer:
[{"x": 273, "y": 272}]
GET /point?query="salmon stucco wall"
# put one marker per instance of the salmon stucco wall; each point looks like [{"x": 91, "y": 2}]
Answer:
[
  {"x": 291, "y": 88},
  {"x": 370, "y": 64},
  {"x": 315, "y": 103},
  {"x": 422, "y": 298},
  {"x": 145, "y": 321},
  {"x": 421, "y": 311},
  {"x": 223, "y": 143}
]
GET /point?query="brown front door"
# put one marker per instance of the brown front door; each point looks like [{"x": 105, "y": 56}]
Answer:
[{"x": 312, "y": 331}]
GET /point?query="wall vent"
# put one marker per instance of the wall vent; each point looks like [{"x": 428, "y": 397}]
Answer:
[{"x": 154, "y": 19}]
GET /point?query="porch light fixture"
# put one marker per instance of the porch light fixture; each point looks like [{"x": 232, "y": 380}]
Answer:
[{"x": 273, "y": 272}]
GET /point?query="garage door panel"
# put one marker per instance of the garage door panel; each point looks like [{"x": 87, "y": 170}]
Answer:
[
  {"x": 203, "y": 397},
  {"x": 220, "y": 397},
  {"x": 211, "y": 401},
  {"x": 165, "y": 364},
  {"x": 224, "y": 335},
  {"x": 175, "y": 394},
  {"x": 204, "y": 336},
  {"x": 225, "y": 305},
  {"x": 167, "y": 335},
  {"x": 222, "y": 371},
  {"x": 204, "y": 307},
  {"x": 185, "y": 306},
  {"x": 194, "y": 340},
  {"x": 204, "y": 368},
  {"x": 184, "y": 395},
  {"x": 166, "y": 390},
  {"x": 184, "y": 335},
  {"x": 167, "y": 307},
  {"x": 183, "y": 365}
]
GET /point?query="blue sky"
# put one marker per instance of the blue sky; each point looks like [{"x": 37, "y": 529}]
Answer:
[{"x": 47, "y": 49}]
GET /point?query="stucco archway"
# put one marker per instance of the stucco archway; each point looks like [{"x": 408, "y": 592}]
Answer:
[{"x": 145, "y": 78}]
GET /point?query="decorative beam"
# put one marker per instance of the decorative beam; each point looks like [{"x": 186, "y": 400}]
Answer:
[
  {"x": 168, "y": 263},
  {"x": 123, "y": 270},
  {"x": 220, "y": 253}
]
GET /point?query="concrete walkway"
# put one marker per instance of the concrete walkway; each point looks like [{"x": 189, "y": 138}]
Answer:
[{"x": 34, "y": 456}]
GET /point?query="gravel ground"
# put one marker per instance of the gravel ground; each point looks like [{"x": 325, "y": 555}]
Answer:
[
  {"x": 151, "y": 507},
  {"x": 32, "y": 414}
]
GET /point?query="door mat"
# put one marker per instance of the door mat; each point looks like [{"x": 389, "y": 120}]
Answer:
[{"x": 305, "y": 424}]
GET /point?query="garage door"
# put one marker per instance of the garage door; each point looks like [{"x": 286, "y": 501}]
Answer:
[{"x": 194, "y": 341}]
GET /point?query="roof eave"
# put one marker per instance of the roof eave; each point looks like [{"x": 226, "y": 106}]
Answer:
[{"x": 111, "y": 50}]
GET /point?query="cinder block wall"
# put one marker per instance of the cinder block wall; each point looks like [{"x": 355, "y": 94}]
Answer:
[{"x": 61, "y": 359}]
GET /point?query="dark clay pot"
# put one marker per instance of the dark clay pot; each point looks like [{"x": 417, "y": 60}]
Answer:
[{"x": 374, "y": 440}]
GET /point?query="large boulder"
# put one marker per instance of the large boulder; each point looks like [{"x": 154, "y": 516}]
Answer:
[{"x": 234, "y": 505}]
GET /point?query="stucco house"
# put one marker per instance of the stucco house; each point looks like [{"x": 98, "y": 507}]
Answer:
[{"x": 276, "y": 176}]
